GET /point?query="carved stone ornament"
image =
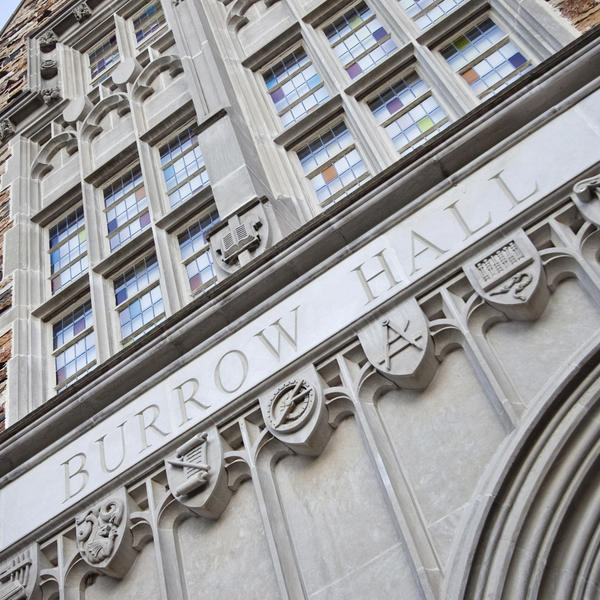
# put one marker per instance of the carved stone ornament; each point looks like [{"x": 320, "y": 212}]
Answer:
[
  {"x": 296, "y": 415},
  {"x": 509, "y": 276},
  {"x": 241, "y": 238},
  {"x": 48, "y": 41},
  {"x": 397, "y": 343},
  {"x": 51, "y": 95},
  {"x": 18, "y": 575},
  {"x": 197, "y": 477},
  {"x": 82, "y": 12},
  {"x": 104, "y": 539},
  {"x": 586, "y": 195},
  {"x": 6, "y": 130},
  {"x": 48, "y": 68}
]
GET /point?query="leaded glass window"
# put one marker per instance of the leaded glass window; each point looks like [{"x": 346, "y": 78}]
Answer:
[
  {"x": 183, "y": 166},
  {"x": 408, "y": 112},
  {"x": 74, "y": 345},
  {"x": 126, "y": 207},
  {"x": 103, "y": 56},
  {"x": 332, "y": 164},
  {"x": 195, "y": 253},
  {"x": 485, "y": 58},
  {"x": 150, "y": 19},
  {"x": 294, "y": 86},
  {"x": 138, "y": 299},
  {"x": 68, "y": 250},
  {"x": 359, "y": 40},
  {"x": 426, "y": 12}
]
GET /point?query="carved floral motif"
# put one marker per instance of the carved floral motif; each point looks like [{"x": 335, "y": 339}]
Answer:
[
  {"x": 48, "y": 41},
  {"x": 82, "y": 12},
  {"x": 51, "y": 95}
]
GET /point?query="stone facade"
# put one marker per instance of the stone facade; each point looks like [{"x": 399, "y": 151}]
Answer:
[{"x": 300, "y": 299}]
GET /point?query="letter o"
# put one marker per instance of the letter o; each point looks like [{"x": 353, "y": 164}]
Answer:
[{"x": 241, "y": 357}]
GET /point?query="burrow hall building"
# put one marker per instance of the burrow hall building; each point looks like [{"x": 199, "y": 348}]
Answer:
[{"x": 300, "y": 299}]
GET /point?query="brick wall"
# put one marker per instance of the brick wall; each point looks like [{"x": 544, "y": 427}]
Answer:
[{"x": 584, "y": 14}]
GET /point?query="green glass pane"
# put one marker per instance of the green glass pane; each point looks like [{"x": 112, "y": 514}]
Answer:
[
  {"x": 424, "y": 124},
  {"x": 355, "y": 21},
  {"x": 461, "y": 43},
  {"x": 82, "y": 236}
]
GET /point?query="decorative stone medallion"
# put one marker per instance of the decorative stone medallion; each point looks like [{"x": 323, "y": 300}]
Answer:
[
  {"x": 196, "y": 474},
  {"x": 291, "y": 406},
  {"x": 48, "y": 41},
  {"x": 397, "y": 343},
  {"x": 510, "y": 277},
  {"x": 104, "y": 539},
  {"x": 19, "y": 575},
  {"x": 296, "y": 415}
]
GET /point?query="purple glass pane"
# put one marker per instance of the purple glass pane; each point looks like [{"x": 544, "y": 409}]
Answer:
[
  {"x": 379, "y": 34},
  {"x": 354, "y": 70},
  {"x": 394, "y": 106},
  {"x": 516, "y": 60}
]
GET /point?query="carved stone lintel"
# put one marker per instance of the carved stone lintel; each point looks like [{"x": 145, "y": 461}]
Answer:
[
  {"x": 104, "y": 539},
  {"x": 509, "y": 276},
  {"x": 586, "y": 195},
  {"x": 82, "y": 12},
  {"x": 6, "y": 130},
  {"x": 295, "y": 414},
  {"x": 48, "y": 41},
  {"x": 48, "y": 68},
  {"x": 397, "y": 343},
  {"x": 197, "y": 477}
]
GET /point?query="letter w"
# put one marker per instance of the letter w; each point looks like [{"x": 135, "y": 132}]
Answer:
[{"x": 275, "y": 350}]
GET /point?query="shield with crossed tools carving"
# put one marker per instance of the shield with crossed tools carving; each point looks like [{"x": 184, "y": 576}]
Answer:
[
  {"x": 196, "y": 474},
  {"x": 509, "y": 276},
  {"x": 397, "y": 343}
]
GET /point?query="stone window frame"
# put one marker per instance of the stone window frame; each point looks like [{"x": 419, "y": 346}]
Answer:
[
  {"x": 192, "y": 125},
  {"x": 154, "y": 34},
  {"x": 391, "y": 77},
  {"x": 127, "y": 302},
  {"x": 52, "y": 353},
  {"x": 295, "y": 46},
  {"x": 324, "y": 20},
  {"x": 510, "y": 34},
  {"x": 191, "y": 221},
  {"x": 309, "y": 138}
]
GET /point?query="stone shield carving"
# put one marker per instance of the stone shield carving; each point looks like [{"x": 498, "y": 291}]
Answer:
[
  {"x": 295, "y": 413},
  {"x": 509, "y": 276},
  {"x": 19, "y": 576},
  {"x": 586, "y": 195},
  {"x": 397, "y": 343},
  {"x": 196, "y": 474},
  {"x": 104, "y": 539}
]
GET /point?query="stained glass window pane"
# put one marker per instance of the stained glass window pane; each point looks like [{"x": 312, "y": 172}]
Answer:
[
  {"x": 408, "y": 112},
  {"x": 294, "y": 86},
  {"x": 332, "y": 164},
  {"x": 359, "y": 40},
  {"x": 485, "y": 58},
  {"x": 68, "y": 250}
]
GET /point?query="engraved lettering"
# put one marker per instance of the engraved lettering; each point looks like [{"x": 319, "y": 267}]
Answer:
[
  {"x": 243, "y": 364},
  {"x": 281, "y": 333},
  {"x": 467, "y": 231},
  {"x": 100, "y": 443},
  {"x": 508, "y": 192},
  {"x": 144, "y": 427},
  {"x": 365, "y": 281},
  {"x": 190, "y": 398},
  {"x": 80, "y": 470},
  {"x": 427, "y": 245}
]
